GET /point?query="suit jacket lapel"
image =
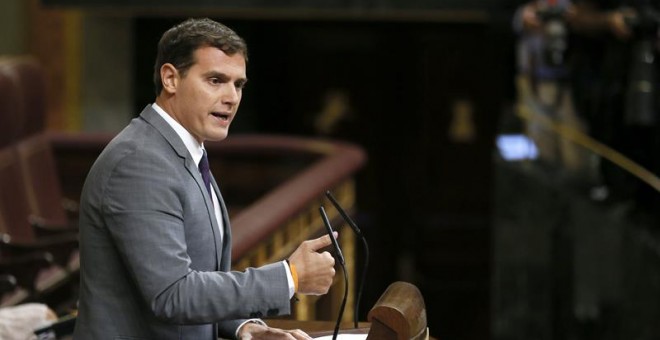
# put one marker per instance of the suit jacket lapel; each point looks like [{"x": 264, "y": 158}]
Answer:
[{"x": 153, "y": 118}]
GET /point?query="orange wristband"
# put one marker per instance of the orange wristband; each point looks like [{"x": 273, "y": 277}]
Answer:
[{"x": 294, "y": 275}]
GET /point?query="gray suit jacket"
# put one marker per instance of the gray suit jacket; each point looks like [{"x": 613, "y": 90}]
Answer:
[{"x": 153, "y": 265}]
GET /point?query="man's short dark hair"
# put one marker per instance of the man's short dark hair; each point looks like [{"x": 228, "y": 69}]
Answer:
[{"x": 178, "y": 44}]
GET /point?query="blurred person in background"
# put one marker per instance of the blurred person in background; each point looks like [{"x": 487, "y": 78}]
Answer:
[
  {"x": 543, "y": 81},
  {"x": 614, "y": 77}
]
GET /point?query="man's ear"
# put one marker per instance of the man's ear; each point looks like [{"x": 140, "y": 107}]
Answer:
[{"x": 169, "y": 75}]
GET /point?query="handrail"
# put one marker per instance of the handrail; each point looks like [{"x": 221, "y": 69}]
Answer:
[
  {"x": 80, "y": 140},
  {"x": 338, "y": 161},
  {"x": 526, "y": 112}
]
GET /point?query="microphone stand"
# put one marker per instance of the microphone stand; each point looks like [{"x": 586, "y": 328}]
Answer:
[
  {"x": 362, "y": 280},
  {"x": 357, "y": 231},
  {"x": 343, "y": 302},
  {"x": 342, "y": 262}
]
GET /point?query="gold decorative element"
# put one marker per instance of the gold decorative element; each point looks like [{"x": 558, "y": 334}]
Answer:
[{"x": 461, "y": 128}]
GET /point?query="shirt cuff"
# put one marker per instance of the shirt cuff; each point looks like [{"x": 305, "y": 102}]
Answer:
[
  {"x": 259, "y": 321},
  {"x": 289, "y": 279}
]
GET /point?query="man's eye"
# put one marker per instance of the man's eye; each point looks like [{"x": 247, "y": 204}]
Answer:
[{"x": 214, "y": 81}]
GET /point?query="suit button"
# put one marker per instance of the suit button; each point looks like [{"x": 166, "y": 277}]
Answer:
[{"x": 273, "y": 312}]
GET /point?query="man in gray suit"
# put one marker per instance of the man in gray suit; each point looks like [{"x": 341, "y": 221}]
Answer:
[{"x": 155, "y": 241}]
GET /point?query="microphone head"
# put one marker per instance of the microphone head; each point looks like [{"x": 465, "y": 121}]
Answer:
[{"x": 343, "y": 213}]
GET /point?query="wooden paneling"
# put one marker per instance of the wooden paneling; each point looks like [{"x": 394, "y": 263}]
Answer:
[{"x": 54, "y": 39}]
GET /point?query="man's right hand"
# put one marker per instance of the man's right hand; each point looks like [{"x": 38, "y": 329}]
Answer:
[{"x": 315, "y": 270}]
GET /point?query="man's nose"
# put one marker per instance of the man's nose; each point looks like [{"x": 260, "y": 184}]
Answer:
[{"x": 230, "y": 94}]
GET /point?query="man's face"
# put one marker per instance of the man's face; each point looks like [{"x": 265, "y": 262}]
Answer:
[{"x": 206, "y": 99}]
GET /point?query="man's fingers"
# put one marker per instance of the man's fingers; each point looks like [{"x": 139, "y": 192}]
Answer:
[
  {"x": 299, "y": 335},
  {"x": 321, "y": 242}
]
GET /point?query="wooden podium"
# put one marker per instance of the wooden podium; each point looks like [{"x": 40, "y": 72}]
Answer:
[{"x": 399, "y": 314}]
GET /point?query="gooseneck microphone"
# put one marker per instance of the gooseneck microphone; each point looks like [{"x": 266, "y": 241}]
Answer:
[
  {"x": 357, "y": 231},
  {"x": 335, "y": 244}
]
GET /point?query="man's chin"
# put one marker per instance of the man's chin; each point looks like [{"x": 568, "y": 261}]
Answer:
[{"x": 216, "y": 137}]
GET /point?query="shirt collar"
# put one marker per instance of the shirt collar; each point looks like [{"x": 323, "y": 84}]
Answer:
[{"x": 196, "y": 150}]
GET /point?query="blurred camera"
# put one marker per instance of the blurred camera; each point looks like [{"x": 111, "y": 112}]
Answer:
[{"x": 555, "y": 34}]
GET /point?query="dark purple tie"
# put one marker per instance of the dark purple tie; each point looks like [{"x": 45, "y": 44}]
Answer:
[{"x": 206, "y": 173}]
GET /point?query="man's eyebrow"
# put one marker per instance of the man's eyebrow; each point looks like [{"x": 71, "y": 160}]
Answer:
[
  {"x": 215, "y": 74},
  {"x": 223, "y": 76}
]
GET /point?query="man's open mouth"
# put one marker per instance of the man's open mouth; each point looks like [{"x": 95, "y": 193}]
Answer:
[{"x": 220, "y": 115}]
